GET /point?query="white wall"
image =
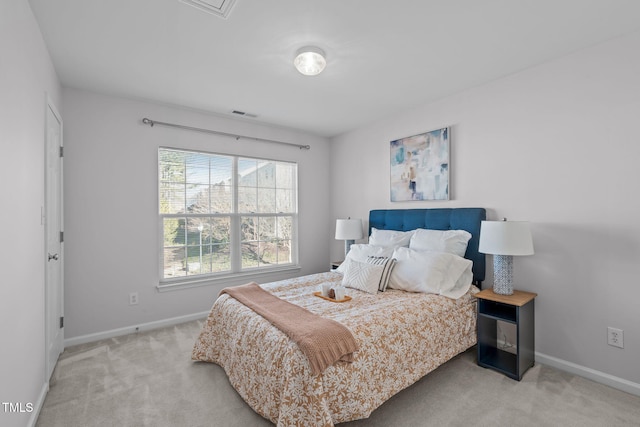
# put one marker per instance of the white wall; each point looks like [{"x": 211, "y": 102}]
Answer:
[
  {"x": 26, "y": 75},
  {"x": 556, "y": 145},
  {"x": 111, "y": 206}
]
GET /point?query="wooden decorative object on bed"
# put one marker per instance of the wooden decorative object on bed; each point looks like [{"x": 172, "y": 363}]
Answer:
[{"x": 345, "y": 299}]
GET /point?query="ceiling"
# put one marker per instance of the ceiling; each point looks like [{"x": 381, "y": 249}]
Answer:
[{"x": 382, "y": 56}]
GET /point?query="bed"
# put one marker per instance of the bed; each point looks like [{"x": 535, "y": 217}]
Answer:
[{"x": 401, "y": 336}]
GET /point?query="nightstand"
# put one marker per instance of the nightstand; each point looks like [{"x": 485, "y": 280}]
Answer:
[
  {"x": 335, "y": 264},
  {"x": 516, "y": 309}
]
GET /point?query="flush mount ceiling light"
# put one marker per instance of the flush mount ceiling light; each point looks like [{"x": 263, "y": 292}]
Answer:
[{"x": 310, "y": 60}]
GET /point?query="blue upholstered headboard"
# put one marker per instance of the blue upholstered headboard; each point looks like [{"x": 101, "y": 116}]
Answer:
[{"x": 468, "y": 219}]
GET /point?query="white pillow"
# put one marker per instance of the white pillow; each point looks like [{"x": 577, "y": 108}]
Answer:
[
  {"x": 360, "y": 252},
  {"x": 450, "y": 241},
  {"x": 390, "y": 238},
  {"x": 431, "y": 272},
  {"x": 363, "y": 276}
]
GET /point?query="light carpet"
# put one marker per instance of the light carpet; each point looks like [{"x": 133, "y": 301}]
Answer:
[{"x": 148, "y": 379}]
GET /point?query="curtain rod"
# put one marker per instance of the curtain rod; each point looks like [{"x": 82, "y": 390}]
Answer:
[{"x": 151, "y": 123}]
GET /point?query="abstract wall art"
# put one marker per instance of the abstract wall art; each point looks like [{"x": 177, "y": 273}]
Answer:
[{"x": 420, "y": 166}]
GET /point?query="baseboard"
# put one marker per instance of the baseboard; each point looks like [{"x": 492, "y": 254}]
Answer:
[
  {"x": 37, "y": 407},
  {"x": 82, "y": 339},
  {"x": 591, "y": 374}
]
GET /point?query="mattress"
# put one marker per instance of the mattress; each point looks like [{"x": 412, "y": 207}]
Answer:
[{"x": 402, "y": 336}]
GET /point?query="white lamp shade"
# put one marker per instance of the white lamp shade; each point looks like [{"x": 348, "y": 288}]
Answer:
[
  {"x": 505, "y": 238},
  {"x": 348, "y": 229}
]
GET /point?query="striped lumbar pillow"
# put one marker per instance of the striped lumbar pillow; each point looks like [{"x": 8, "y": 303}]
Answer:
[{"x": 388, "y": 264}]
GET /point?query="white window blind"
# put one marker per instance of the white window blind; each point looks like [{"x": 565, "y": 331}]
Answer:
[{"x": 223, "y": 214}]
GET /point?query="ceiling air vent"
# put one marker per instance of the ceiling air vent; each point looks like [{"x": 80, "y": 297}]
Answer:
[
  {"x": 220, "y": 8},
  {"x": 243, "y": 114}
]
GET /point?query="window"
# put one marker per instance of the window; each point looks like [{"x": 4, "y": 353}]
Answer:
[{"x": 223, "y": 214}]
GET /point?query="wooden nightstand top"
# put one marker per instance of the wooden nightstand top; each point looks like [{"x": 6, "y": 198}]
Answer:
[{"x": 519, "y": 298}]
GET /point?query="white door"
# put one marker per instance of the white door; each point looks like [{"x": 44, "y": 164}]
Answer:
[{"x": 53, "y": 239}]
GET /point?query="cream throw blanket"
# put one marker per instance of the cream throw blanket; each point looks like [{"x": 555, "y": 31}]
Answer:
[{"x": 323, "y": 341}]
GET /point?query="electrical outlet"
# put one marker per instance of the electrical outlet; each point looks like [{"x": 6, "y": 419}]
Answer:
[
  {"x": 615, "y": 337},
  {"x": 133, "y": 298}
]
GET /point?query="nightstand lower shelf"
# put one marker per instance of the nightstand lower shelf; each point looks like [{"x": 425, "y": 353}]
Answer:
[{"x": 500, "y": 360}]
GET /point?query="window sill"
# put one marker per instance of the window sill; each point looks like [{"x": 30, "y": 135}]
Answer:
[{"x": 187, "y": 283}]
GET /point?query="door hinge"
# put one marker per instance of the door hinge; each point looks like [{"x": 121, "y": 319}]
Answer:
[
  {"x": 61, "y": 322},
  {"x": 61, "y": 236},
  {"x": 61, "y": 151}
]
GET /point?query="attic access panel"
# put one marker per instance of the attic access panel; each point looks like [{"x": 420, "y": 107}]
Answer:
[{"x": 220, "y": 8}]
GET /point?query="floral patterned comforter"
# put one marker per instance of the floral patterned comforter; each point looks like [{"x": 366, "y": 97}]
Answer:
[{"x": 402, "y": 336}]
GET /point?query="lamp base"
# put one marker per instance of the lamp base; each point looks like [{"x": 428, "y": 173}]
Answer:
[
  {"x": 503, "y": 274},
  {"x": 347, "y": 246}
]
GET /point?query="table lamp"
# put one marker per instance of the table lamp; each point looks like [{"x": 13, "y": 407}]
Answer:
[
  {"x": 348, "y": 230},
  {"x": 505, "y": 239}
]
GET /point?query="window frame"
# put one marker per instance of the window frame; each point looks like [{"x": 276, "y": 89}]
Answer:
[{"x": 235, "y": 217}]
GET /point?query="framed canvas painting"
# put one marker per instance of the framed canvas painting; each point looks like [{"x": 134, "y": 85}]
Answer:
[{"x": 420, "y": 167}]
